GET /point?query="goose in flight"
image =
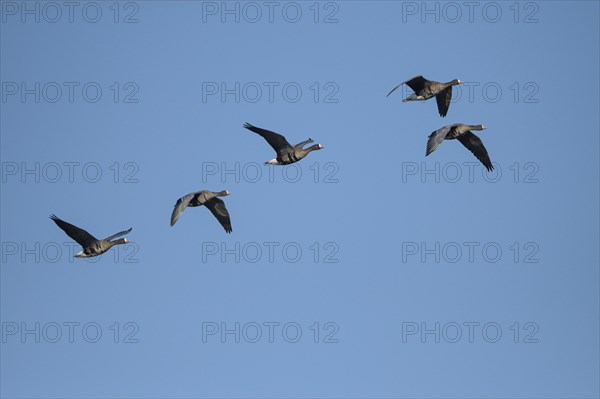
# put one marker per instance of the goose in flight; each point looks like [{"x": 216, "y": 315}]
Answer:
[
  {"x": 425, "y": 89},
  {"x": 465, "y": 136},
  {"x": 90, "y": 245},
  {"x": 286, "y": 153},
  {"x": 209, "y": 199}
]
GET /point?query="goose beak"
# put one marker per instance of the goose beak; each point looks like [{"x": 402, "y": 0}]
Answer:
[
  {"x": 483, "y": 127},
  {"x": 126, "y": 240},
  {"x": 460, "y": 82},
  {"x": 321, "y": 146}
]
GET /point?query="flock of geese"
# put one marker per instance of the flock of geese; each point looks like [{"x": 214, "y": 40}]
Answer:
[
  {"x": 424, "y": 90},
  {"x": 287, "y": 154}
]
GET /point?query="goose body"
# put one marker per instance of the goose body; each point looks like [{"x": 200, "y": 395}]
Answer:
[
  {"x": 90, "y": 245},
  {"x": 464, "y": 134},
  {"x": 425, "y": 89},
  {"x": 209, "y": 199},
  {"x": 286, "y": 153}
]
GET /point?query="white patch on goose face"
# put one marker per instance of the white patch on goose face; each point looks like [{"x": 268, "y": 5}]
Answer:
[
  {"x": 126, "y": 241},
  {"x": 80, "y": 254},
  {"x": 272, "y": 162}
]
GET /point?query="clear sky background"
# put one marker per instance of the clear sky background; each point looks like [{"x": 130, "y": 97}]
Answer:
[{"x": 370, "y": 239}]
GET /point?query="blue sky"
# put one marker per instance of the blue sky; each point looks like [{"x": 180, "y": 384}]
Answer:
[{"x": 365, "y": 270}]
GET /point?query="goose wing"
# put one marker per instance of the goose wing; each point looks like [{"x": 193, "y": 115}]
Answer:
[
  {"x": 275, "y": 140},
  {"x": 80, "y": 236},
  {"x": 416, "y": 84},
  {"x": 303, "y": 143},
  {"x": 218, "y": 209},
  {"x": 475, "y": 145},
  {"x": 119, "y": 234},
  {"x": 443, "y": 100},
  {"x": 436, "y": 138},
  {"x": 180, "y": 206}
]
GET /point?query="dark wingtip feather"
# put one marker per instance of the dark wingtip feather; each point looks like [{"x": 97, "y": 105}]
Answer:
[
  {"x": 442, "y": 113},
  {"x": 248, "y": 126},
  {"x": 391, "y": 91},
  {"x": 429, "y": 149}
]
